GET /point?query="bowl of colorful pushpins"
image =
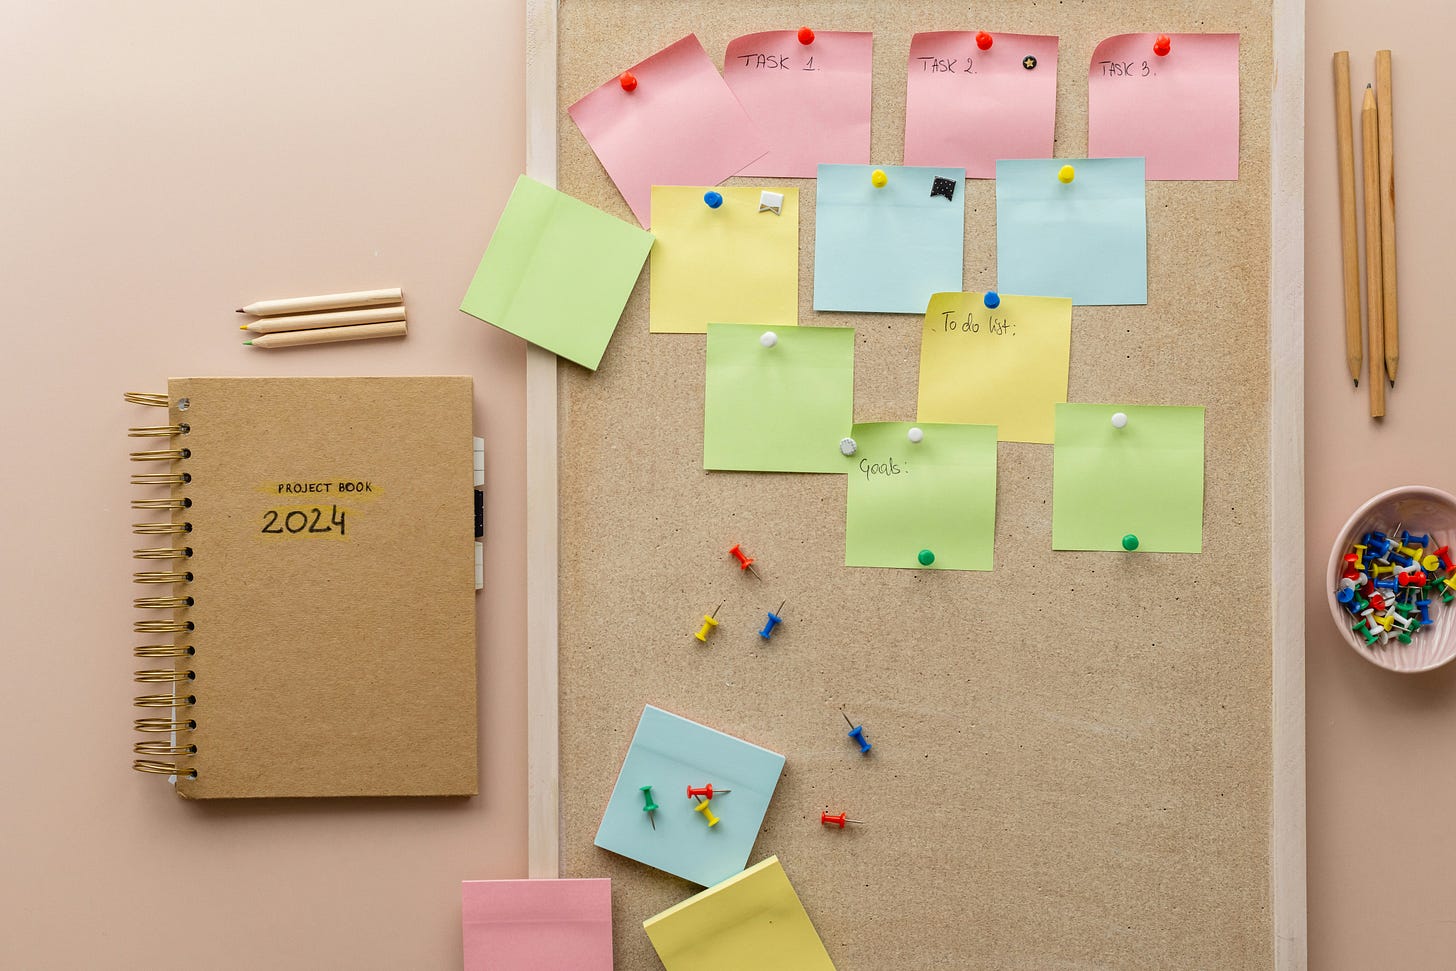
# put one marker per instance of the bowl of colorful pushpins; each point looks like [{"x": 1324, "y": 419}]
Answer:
[{"x": 1392, "y": 579}]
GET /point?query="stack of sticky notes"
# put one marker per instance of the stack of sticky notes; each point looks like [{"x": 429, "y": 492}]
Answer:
[{"x": 526, "y": 925}]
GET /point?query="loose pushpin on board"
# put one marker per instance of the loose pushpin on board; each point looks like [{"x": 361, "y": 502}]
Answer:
[
  {"x": 856, "y": 732},
  {"x": 915, "y": 435},
  {"x": 745, "y": 562},
  {"x": 706, "y": 791},
  {"x": 1162, "y": 45},
  {"x": 702, "y": 807},
  {"x": 925, "y": 557},
  {"x": 769, "y": 338},
  {"x": 709, "y": 623},
  {"x": 650, "y": 807},
  {"x": 825, "y": 819},
  {"x": 806, "y": 36},
  {"x": 992, "y": 299},
  {"x": 848, "y": 446},
  {"x": 879, "y": 179},
  {"x": 1129, "y": 542},
  {"x": 628, "y": 81},
  {"x": 984, "y": 40},
  {"x": 1066, "y": 174},
  {"x": 773, "y": 621},
  {"x": 713, "y": 198},
  {"x": 1119, "y": 420}
]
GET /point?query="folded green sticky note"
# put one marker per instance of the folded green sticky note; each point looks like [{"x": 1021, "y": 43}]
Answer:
[
  {"x": 778, "y": 408},
  {"x": 936, "y": 496},
  {"x": 1144, "y": 479},
  {"x": 557, "y": 272}
]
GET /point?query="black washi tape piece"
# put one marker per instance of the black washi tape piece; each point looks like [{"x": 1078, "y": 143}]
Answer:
[{"x": 943, "y": 187}]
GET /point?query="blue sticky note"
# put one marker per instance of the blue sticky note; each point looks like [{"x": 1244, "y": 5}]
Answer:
[
  {"x": 670, "y": 753},
  {"x": 887, "y": 249},
  {"x": 1086, "y": 239}
]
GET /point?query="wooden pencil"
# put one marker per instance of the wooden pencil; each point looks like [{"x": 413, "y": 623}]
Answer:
[
  {"x": 325, "y": 335},
  {"x": 1349, "y": 232},
  {"x": 1374, "y": 298},
  {"x": 1385, "y": 116},
  {"x": 325, "y": 301},
  {"x": 337, "y": 318}
]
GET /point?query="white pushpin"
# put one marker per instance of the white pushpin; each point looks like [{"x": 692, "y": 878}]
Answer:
[
  {"x": 916, "y": 435},
  {"x": 848, "y": 446},
  {"x": 769, "y": 338},
  {"x": 1119, "y": 420}
]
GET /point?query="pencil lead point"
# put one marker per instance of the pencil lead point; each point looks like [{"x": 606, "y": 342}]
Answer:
[
  {"x": 247, "y": 342},
  {"x": 1357, "y": 382},
  {"x": 1392, "y": 382},
  {"x": 240, "y": 310},
  {"x": 242, "y": 326}
]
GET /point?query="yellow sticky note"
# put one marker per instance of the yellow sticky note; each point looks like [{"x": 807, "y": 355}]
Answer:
[
  {"x": 751, "y": 920},
  {"x": 736, "y": 264},
  {"x": 1004, "y": 366}
]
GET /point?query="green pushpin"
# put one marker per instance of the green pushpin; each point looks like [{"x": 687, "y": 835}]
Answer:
[
  {"x": 926, "y": 557},
  {"x": 1129, "y": 542},
  {"x": 651, "y": 806}
]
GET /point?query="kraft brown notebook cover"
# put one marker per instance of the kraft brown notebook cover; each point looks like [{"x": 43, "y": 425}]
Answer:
[{"x": 320, "y": 636}]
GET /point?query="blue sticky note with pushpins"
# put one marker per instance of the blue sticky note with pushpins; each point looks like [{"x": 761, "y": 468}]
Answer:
[
  {"x": 672, "y": 753},
  {"x": 1073, "y": 228}
]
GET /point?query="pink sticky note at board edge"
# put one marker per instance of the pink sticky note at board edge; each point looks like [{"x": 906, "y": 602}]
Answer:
[
  {"x": 1007, "y": 120},
  {"x": 504, "y": 923},
  {"x": 687, "y": 127},
  {"x": 1188, "y": 130},
  {"x": 829, "y": 122}
]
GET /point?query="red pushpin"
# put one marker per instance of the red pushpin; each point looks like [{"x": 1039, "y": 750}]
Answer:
[
  {"x": 706, "y": 791},
  {"x": 983, "y": 40},
  {"x": 745, "y": 562},
  {"x": 806, "y": 36},
  {"x": 828, "y": 820},
  {"x": 628, "y": 80},
  {"x": 1162, "y": 45}
]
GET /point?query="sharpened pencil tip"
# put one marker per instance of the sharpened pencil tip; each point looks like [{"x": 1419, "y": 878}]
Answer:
[
  {"x": 1392, "y": 382},
  {"x": 247, "y": 342},
  {"x": 1357, "y": 382},
  {"x": 240, "y": 310},
  {"x": 242, "y": 326}
]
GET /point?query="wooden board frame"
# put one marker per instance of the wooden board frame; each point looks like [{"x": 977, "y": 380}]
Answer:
[{"x": 1286, "y": 444}]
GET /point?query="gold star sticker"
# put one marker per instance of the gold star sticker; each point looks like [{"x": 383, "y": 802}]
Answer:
[{"x": 1028, "y": 62}]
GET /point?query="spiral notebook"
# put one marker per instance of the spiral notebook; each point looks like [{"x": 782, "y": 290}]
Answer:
[{"x": 310, "y": 570}]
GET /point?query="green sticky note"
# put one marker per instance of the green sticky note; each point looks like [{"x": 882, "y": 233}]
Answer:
[
  {"x": 1144, "y": 479},
  {"x": 782, "y": 408},
  {"x": 557, "y": 272},
  {"x": 938, "y": 494}
]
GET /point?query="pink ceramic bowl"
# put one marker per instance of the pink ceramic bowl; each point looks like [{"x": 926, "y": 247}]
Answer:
[{"x": 1419, "y": 509}]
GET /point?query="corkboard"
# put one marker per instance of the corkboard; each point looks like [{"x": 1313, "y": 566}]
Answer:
[{"x": 1073, "y": 753}]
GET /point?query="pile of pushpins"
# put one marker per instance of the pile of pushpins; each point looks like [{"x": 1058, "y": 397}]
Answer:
[{"x": 1388, "y": 587}]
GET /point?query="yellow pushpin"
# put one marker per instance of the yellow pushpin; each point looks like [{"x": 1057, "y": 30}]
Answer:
[
  {"x": 702, "y": 807},
  {"x": 1382, "y": 569},
  {"x": 1066, "y": 174},
  {"x": 708, "y": 624},
  {"x": 879, "y": 179},
  {"x": 1431, "y": 562}
]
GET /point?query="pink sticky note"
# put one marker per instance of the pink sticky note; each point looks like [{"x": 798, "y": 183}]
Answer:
[
  {"x": 968, "y": 107},
  {"x": 680, "y": 125},
  {"x": 525, "y": 925},
  {"x": 811, "y": 100},
  {"x": 1180, "y": 111}
]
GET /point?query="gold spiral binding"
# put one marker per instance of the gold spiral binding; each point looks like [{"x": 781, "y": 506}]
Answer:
[
  {"x": 156, "y": 725},
  {"x": 163, "y": 701},
  {"x": 173, "y": 504},
  {"x": 162, "y": 603},
  {"x": 163, "y": 676},
  {"x": 162, "y": 650},
  {"x": 162, "y": 768},
  {"x": 163, "y": 553},
  {"x": 160, "y": 529},
  {"x": 161, "y": 626},
  {"x": 157, "y": 431},
  {"x": 162, "y": 748},
  {"x": 156, "y": 576},
  {"x": 160, "y": 478},
  {"x": 161, "y": 455},
  {"x": 149, "y": 399}
]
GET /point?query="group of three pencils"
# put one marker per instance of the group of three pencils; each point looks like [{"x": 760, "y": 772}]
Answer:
[
  {"x": 1378, "y": 148},
  {"x": 326, "y": 318}
]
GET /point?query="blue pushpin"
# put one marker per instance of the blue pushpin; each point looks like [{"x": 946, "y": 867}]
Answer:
[
  {"x": 856, "y": 732},
  {"x": 1424, "y": 606},
  {"x": 992, "y": 300},
  {"x": 1346, "y": 595},
  {"x": 1389, "y": 583},
  {"x": 1410, "y": 540},
  {"x": 713, "y": 198},
  {"x": 773, "y": 621}
]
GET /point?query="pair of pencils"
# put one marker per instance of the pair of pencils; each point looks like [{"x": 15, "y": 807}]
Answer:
[
  {"x": 1378, "y": 147},
  {"x": 326, "y": 318}
]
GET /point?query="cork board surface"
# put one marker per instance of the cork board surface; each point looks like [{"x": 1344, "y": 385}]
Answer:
[{"x": 1072, "y": 753}]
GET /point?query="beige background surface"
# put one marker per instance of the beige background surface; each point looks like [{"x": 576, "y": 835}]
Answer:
[
  {"x": 160, "y": 165},
  {"x": 1381, "y": 749}
]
